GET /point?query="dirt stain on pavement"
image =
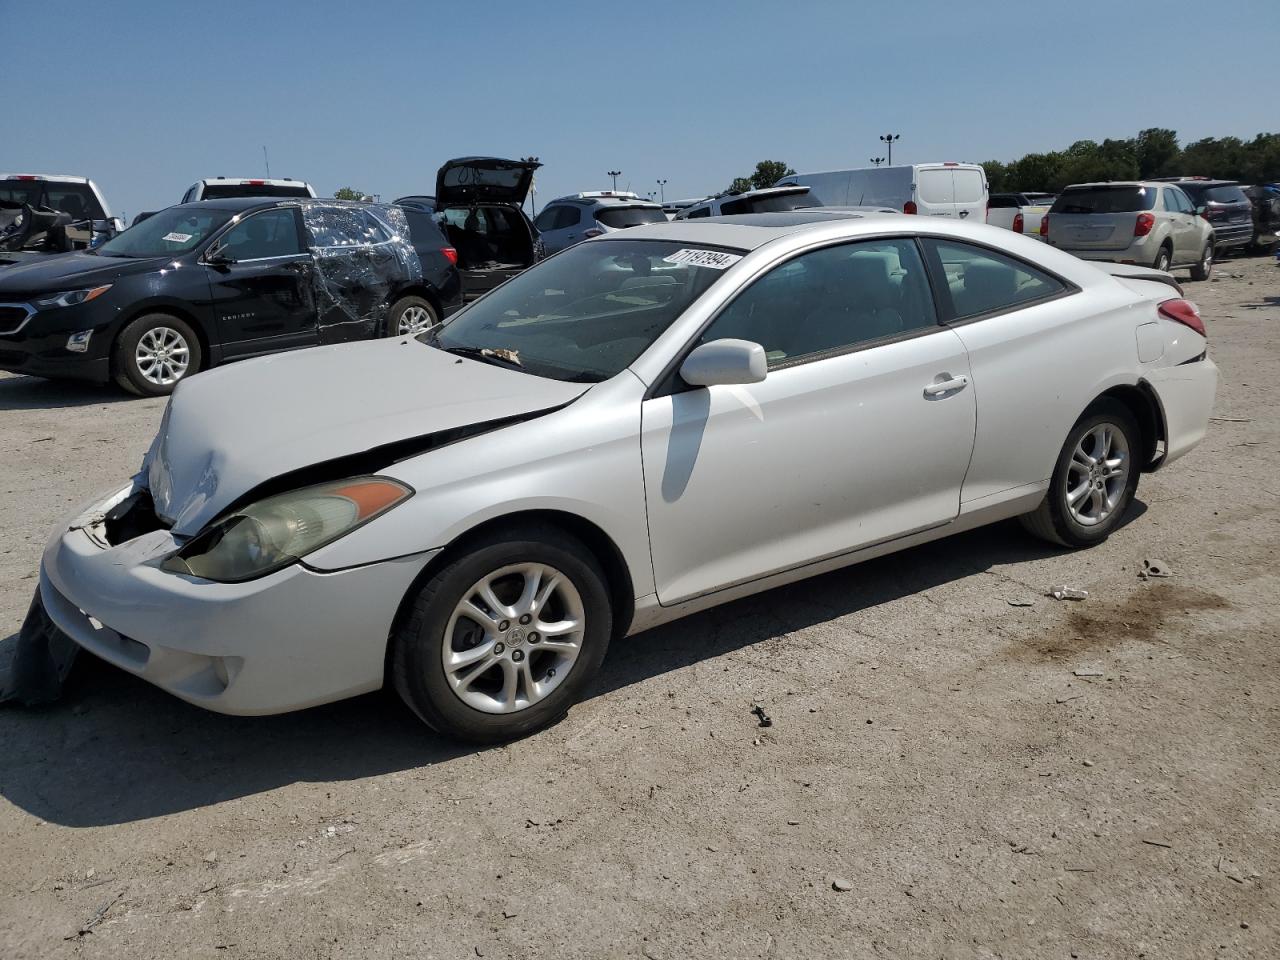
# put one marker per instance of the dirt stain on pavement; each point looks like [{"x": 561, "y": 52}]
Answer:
[{"x": 1091, "y": 625}]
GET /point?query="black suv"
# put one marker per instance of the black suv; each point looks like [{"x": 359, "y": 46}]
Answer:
[
  {"x": 202, "y": 283},
  {"x": 479, "y": 201},
  {"x": 1224, "y": 204}
]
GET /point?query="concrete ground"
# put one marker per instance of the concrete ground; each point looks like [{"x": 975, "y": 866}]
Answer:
[{"x": 934, "y": 749}]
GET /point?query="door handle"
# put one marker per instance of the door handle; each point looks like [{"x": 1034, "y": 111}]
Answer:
[{"x": 945, "y": 383}]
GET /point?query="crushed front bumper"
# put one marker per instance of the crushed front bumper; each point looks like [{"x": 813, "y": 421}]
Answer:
[{"x": 289, "y": 640}]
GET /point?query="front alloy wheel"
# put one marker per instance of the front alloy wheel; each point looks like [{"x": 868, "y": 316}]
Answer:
[
  {"x": 502, "y": 639},
  {"x": 513, "y": 638}
]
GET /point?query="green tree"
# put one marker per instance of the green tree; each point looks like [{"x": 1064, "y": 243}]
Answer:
[
  {"x": 740, "y": 185},
  {"x": 1157, "y": 150},
  {"x": 769, "y": 172},
  {"x": 349, "y": 193}
]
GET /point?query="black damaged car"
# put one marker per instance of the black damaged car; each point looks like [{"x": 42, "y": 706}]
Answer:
[{"x": 203, "y": 283}]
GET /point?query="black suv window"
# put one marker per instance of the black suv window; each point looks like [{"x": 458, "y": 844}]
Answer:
[
  {"x": 1230, "y": 193},
  {"x": 557, "y": 217},
  {"x": 75, "y": 199},
  {"x": 272, "y": 233},
  {"x": 830, "y": 300},
  {"x": 1118, "y": 199},
  {"x": 618, "y": 217},
  {"x": 981, "y": 281}
]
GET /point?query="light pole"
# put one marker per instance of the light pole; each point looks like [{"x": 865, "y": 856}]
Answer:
[
  {"x": 615, "y": 174},
  {"x": 662, "y": 191},
  {"x": 889, "y": 138},
  {"x": 876, "y": 161}
]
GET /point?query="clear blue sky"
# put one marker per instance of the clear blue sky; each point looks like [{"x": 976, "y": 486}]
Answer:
[{"x": 147, "y": 97}]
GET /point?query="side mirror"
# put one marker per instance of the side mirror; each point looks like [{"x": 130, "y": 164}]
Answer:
[
  {"x": 1201, "y": 211},
  {"x": 724, "y": 362},
  {"x": 218, "y": 258}
]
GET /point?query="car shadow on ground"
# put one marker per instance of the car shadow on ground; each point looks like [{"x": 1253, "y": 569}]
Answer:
[
  {"x": 35, "y": 393},
  {"x": 117, "y": 750}
]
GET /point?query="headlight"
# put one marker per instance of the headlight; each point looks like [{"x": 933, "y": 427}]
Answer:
[
  {"x": 73, "y": 297},
  {"x": 275, "y": 532}
]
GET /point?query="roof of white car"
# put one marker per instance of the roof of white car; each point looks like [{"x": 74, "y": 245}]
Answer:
[{"x": 748, "y": 230}]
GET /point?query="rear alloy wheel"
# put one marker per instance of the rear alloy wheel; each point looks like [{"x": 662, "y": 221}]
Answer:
[
  {"x": 1163, "y": 259},
  {"x": 153, "y": 353},
  {"x": 1201, "y": 270},
  {"x": 1094, "y": 480},
  {"x": 411, "y": 316},
  {"x": 502, "y": 641}
]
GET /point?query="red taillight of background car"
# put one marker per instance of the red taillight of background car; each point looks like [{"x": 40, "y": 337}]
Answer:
[
  {"x": 1185, "y": 313},
  {"x": 450, "y": 254},
  {"x": 909, "y": 207},
  {"x": 1044, "y": 225},
  {"x": 1017, "y": 222},
  {"x": 256, "y": 183},
  {"x": 1142, "y": 226}
]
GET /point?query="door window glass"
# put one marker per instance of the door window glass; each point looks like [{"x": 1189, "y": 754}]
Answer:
[
  {"x": 272, "y": 233},
  {"x": 343, "y": 226},
  {"x": 934, "y": 186},
  {"x": 968, "y": 186},
  {"x": 831, "y": 300},
  {"x": 982, "y": 281},
  {"x": 546, "y": 220},
  {"x": 1171, "y": 201}
]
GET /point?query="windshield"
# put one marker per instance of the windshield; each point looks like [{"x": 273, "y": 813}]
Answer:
[
  {"x": 586, "y": 314},
  {"x": 221, "y": 191},
  {"x": 619, "y": 217},
  {"x": 167, "y": 233},
  {"x": 1105, "y": 200}
]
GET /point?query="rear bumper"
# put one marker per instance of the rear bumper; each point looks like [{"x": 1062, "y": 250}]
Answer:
[
  {"x": 1186, "y": 393},
  {"x": 293, "y": 639}
]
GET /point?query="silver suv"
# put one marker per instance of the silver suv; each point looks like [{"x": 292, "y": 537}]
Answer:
[
  {"x": 581, "y": 216},
  {"x": 1145, "y": 223}
]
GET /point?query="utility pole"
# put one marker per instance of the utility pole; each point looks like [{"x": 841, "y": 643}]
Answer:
[
  {"x": 889, "y": 138},
  {"x": 614, "y": 174},
  {"x": 266, "y": 160},
  {"x": 662, "y": 190},
  {"x": 876, "y": 161}
]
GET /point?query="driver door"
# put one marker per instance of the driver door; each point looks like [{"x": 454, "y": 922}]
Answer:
[{"x": 848, "y": 442}]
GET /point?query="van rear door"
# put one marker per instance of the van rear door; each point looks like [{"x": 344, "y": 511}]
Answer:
[
  {"x": 935, "y": 191},
  {"x": 971, "y": 193}
]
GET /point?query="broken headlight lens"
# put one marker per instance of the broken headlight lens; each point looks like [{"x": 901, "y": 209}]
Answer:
[{"x": 272, "y": 533}]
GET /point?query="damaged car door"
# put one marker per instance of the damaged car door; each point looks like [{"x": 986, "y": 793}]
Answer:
[
  {"x": 260, "y": 279},
  {"x": 361, "y": 256}
]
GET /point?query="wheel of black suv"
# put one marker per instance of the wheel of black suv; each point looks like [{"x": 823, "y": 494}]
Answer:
[
  {"x": 153, "y": 353},
  {"x": 1094, "y": 479},
  {"x": 1164, "y": 258},
  {"x": 410, "y": 316},
  {"x": 1201, "y": 270},
  {"x": 501, "y": 641}
]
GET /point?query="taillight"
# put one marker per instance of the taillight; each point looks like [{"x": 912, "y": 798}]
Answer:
[
  {"x": 1185, "y": 313},
  {"x": 1017, "y": 222},
  {"x": 256, "y": 183},
  {"x": 450, "y": 254},
  {"x": 592, "y": 232},
  {"x": 909, "y": 207},
  {"x": 1044, "y": 225},
  {"x": 1142, "y": 226}
]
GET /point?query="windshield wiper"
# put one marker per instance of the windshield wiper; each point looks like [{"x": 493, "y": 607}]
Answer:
[{"x": 486, "y": 355}]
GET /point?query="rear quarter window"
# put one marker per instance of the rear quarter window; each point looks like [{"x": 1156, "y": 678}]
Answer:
[{"x": 981, "y": 281}]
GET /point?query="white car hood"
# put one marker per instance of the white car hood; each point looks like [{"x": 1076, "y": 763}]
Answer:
[{"x": 227, "y": 431}]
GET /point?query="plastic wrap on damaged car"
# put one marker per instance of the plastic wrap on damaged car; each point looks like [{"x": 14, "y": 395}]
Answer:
[{"x": 362, "y": 255}]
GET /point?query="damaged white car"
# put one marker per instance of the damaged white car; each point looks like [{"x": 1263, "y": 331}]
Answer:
[{"x": 646, "y": 425}]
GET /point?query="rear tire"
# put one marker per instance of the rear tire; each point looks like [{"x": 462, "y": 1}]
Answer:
[
  {"x": 447, "y": 635},
  {"x": 1087, "y": 501},
  {"x": 1202, "y": 270},
  {"x": 1164, "y": 259},
  {"x": 154, "y": 353},
  {"x": 410, "y": 316}
]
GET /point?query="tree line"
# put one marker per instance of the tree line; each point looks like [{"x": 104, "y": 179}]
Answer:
[{"x": 1152, "y": 153}]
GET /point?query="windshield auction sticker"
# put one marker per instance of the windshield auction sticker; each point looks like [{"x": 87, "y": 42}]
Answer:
[
  {"x": 704, "y": 258},
  {"x": 176, "y": 237}
]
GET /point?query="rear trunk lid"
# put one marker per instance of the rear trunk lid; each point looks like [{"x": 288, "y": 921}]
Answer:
[
  {"x": 1098, "y": 217},
  {"x": 468, "y": 180}
]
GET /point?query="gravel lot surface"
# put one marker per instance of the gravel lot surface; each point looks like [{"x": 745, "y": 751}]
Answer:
[{"x": 1093, "y": 779}]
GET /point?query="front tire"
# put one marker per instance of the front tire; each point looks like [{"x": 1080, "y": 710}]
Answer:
[
  {"x": 411, "y": 316},
  {"x": 1093, "y": 481},
  {"x": 153, "y": 353},
  {"x": 1202, "y": 270},
  {"x": 502, "y": 641}
]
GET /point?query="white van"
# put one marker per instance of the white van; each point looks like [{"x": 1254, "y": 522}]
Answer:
[{"x": 929, "y": 189}]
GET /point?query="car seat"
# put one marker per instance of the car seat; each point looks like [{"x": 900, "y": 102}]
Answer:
[{"x": 987, "y": 285}]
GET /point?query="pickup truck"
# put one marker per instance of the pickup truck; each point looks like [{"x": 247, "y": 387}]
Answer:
[{"x": 1019, "y": 212}]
